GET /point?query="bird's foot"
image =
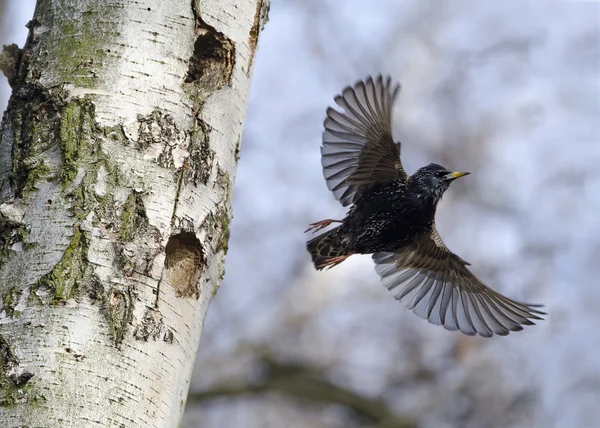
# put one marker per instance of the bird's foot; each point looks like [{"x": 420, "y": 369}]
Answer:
[
  {"x": 334, "y": 261},
  {"x": 321, "y": 225}
]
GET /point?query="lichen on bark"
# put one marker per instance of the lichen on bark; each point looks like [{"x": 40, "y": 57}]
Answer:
[
  {"x": 14, "y": 381},
  {"x": 133, "y": 217},
  {"x": 81, "y": 52},
  {"x": 77, "y": 129},
  {"x": 72, "y": 272}
]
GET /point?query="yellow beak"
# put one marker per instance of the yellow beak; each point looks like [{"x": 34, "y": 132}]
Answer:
[{"x": 456, "y": 174}]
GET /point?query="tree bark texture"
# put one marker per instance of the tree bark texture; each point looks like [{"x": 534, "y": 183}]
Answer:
[{"x": 117, "y": 157}]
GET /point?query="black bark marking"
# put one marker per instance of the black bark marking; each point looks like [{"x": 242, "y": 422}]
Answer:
[
  {"x": 152, "y": 326},
  {"x": 13, "y": 379},
  {"x": 168, "y": 136},
  {"x": 8, "y": 359},
  {"x": 117, "y": 305},
  {"x": 120, "y": 313},
  {"x": 22, "y": 379},
  {"x": 202, "y": 157}
]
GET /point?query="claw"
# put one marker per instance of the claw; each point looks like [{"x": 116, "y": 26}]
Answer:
[
  {"x": 321, "y": 225},
  {"x": 334, "y": 261}
]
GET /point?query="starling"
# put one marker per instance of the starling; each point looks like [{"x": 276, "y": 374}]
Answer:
[{"x": 392, "y": 216}]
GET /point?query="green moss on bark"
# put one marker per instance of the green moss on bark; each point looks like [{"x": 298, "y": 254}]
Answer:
[
  {"x": 40, "y": 120},
  {"x": 12, "y": 235},
  {"x": 76, "y": 132},
  {"x": 10, "y": 300},
  {"x": 40, "y": 172},
  {"x": 223, "y": 220},
  {"x": 71, "y": 271},
  {"x": 70, "y": 131},
  {"x": 133, "y": 218},
  {"x": 15, "y": 386},
  {"x": 84, "y": 36},
  {"x": 33, "y": 117}
]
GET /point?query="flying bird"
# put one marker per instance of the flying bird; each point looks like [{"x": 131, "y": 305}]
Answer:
[{"x": 392, "y": 217}]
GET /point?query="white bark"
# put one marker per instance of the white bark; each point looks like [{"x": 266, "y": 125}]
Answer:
[{"x": 117, "y": 156}]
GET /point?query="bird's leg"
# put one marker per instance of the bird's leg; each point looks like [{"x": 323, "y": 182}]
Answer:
[
  {"x": 321, "y": 224},
  {"x": 334, "y": 261}
]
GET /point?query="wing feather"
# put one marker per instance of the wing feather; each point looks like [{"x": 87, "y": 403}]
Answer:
[
  {"x": 358, "y": 148},
  {"x": 436, "y": 285}
]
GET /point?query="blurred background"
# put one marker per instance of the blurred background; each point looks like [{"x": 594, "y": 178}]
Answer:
[{"x": 509, "y": 91}]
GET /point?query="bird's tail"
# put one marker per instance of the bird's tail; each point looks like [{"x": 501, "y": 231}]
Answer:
[{"x": 324, "y": 248}]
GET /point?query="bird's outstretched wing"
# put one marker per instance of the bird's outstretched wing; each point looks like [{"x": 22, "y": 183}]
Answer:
[
  {"x": 436, "y": 285},
  {"x": 358, "y": 148}
]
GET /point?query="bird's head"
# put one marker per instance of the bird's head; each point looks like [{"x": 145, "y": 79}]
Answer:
[{"x": 431, "y": 181}]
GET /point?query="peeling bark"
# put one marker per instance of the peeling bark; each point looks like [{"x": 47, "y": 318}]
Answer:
[
  {"x": 117, "y": 156},
  {"x": 261, "y": 17},
  {"x": 9, "y": 60}
]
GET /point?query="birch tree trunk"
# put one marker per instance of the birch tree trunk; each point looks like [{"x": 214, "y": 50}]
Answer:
[{"x": 117, "y": 157}]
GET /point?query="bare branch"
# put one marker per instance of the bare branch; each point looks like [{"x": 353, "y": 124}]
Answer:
[{"x": 306, "y": 383}]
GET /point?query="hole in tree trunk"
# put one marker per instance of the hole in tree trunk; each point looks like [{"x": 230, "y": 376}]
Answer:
[
  {"x": 184, "y": 264},
  {"x": 211, "y": 65}
]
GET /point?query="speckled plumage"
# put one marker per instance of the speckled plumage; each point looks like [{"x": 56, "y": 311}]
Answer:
[
  {"x": 392, "y": 216},
  {"x": 389, "y": 215}
]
